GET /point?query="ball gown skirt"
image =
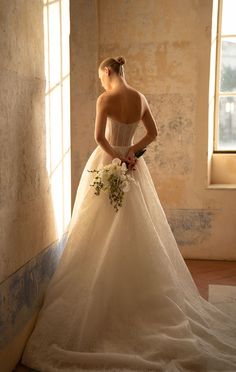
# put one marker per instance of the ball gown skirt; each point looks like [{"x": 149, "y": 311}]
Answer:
[{"x": 122, "y": 297}]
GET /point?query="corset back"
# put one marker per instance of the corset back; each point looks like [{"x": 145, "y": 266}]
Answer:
[{"x": 120, "y": 134}]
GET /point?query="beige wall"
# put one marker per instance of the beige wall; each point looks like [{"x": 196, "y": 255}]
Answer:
[
  {"x": 34, "y": 160},
  {"x": 83, "y": 56},
  {"x": 167, "y": 46},
  {"x": 24, "y": 181}
]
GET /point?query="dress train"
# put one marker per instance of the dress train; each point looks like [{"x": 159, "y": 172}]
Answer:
[{"x": 122, "y": 297}]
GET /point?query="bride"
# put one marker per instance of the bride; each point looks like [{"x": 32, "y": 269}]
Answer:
[{"x": 122, "y": 297}]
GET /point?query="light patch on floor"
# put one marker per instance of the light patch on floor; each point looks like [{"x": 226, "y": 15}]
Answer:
[{"x": 223, "y": 297}]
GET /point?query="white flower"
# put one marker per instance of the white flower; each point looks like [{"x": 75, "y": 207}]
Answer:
[
  {"x": 104, "y": 178},
  {"x": 125, "y": 186},
  {"x": 114, "y": 181},
  {"x": 117, "y": 171},
  {"x": 116, "y": 161},
  {"x": 123, "y": 167},
  {"x": 130, "y": 178}
]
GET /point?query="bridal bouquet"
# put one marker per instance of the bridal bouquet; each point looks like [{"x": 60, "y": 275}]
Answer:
[{"x": 114, "y": 180}]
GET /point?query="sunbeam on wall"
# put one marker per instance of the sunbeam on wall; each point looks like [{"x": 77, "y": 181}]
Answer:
[{"x": 57, "y": 107}]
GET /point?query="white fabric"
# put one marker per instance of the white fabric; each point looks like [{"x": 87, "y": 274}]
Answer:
[{"x": 122, "y": 297}]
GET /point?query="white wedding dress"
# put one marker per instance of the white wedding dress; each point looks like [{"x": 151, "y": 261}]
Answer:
[{"x": 122, "y": 297}]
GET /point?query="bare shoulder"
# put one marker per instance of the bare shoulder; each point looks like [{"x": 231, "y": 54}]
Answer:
[
  {"x": 144, "y": 100},
  {"x": 103, "y": 102},
  {"x": 147, "y": 116},
  {"x": 103, "y": 98},
  {"x": 138, "y": 93}
]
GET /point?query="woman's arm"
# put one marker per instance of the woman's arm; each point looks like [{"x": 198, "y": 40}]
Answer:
[
  {"x": 150, "y": 125},
  {"x": 100, "y": 126}
]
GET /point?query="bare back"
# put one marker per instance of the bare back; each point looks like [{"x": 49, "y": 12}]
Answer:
[{"x": 125, "y": 105}]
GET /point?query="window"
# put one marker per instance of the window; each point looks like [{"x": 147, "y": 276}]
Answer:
[
  {"x": 57, "y": 108},
  {"x": 225, "y": 88}
]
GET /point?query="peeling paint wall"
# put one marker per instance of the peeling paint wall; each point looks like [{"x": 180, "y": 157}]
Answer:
[{"x": 167, "y": 47}]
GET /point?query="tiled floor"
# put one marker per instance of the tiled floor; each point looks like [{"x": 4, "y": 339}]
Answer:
[
  {"x": 206, "y": 272},
  {"x": 216, "y": 281}
]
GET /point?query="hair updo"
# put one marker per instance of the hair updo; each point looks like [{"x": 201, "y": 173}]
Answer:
[
  {"x": 120, "y": 60},
  {"x": 115, "y": 63}
]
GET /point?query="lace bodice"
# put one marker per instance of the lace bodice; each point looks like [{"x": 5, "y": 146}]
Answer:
[{"x": 120, "y": 134}]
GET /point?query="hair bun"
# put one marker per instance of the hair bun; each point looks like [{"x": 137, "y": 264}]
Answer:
[{"x": 121, "y": 60}]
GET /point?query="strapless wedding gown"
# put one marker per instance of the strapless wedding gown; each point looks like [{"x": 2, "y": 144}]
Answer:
[{"x": 122, "y": 297}]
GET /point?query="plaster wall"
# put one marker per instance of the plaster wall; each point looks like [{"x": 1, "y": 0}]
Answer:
[
  {"x": 26, "y": 216},
  {"x": 30, "y": 243},
  {"x": 84, "y": 84}
]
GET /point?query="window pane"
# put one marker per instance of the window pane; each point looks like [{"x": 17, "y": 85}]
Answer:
[
  {"x": 228, "y": 17},
  {"x": 227, "y": 123},
  {"x": 228, "y": 65}
]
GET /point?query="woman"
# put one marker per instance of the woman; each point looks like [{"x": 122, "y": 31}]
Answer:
[
  {"x": 124, "y": 104},
  {"x": 122, "y": 297}
]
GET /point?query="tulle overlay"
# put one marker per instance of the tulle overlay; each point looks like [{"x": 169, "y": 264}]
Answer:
[{"x": 122, "y": 298}]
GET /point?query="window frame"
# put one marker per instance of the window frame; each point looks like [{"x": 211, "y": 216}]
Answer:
[{"x": 219, "y": 94}]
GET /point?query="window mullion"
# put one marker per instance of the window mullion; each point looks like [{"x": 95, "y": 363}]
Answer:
[{"x": 217, "y": 80}]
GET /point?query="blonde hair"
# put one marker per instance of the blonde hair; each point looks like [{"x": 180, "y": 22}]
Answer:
[{"x": 115, "y": 63}]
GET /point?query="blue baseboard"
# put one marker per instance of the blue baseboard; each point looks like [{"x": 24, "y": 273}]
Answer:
[{"x": 21, "y": 294}]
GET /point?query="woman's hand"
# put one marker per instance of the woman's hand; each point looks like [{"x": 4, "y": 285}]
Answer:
[
  {"x": 131, "y": 159},
  {"x": 131, "y": 155},
  {"x": 124, "y": 159}
]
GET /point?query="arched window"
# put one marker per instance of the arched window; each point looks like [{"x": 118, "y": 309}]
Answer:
[{"x": 225, "y": 82}]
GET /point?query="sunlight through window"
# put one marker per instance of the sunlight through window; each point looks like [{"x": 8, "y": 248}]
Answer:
[
  {"x": 57, "y": 107},
  {"x": 225, "y": 99}
]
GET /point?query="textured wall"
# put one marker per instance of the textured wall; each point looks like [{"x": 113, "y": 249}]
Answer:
[
  {"x": 26, "y": 216},
  {"x": 167, "y": 47},
  {"x": 83, "y": 56},
  {"x": 29, "y": 248}
]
